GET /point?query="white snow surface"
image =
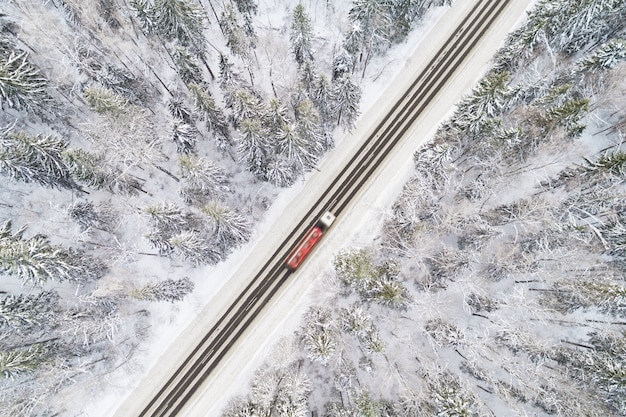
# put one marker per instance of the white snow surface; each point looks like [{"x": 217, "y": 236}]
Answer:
[{"x": 177, "y": 329}]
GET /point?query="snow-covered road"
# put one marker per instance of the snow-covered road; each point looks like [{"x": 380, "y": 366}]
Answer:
[{"x": 356, "y": 227}]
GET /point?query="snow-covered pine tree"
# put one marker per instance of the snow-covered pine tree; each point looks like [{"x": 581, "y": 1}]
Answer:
[
  {"x": 276, "y": 115},
  {"x": 375, "y": 26},
  {"x": 186, "y": 65},
  {"x": 203, "y": 180},
  {"x": 229, "y": 227},
  {"x": 253, "y": 146},
  {"x": 21, "y": 84},
  {"x": 319, "y": 334},
  {"x": 605, "y": 57},
  {"x": 36, "y": 261},
  {"x": 308, "y": 127},
  {"x": 169, "y": 290},
  {"x": 168, "y": 217},
  {"x": 190, "y": 246},
  {"x": 296, "y": 149},
  {"x": 84, "y": 213},
  {"x": 184, "y": 136},
  {"x": 301, "y": 36},
  {"x": 280, "y": 172},
  {"x": 34, "y": 158},
  {"x": 238, "y": 39},
  {"x": 346, "y": 95},
  {"x": 180, "y": 20},
  {"x": 179, "y": 110},
  {"x": 322, "y": 96},
  {"x": 18, "y": 361},
  {"x": 230, "y": 80},
  {"x": 245, "y": 105},
  {"x": 24, "y": 312},
  {"x": 212, "y": 113},
  {"x": 105, "y": 101}
]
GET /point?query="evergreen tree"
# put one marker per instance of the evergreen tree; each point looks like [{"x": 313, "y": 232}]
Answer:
[
  {"x": 180, "y": 20},
  {"x": 301, "y": 36},
  {"x": 184, "y": 136},
  {"x": 21, "y": 85},
  {"x": 214, "y": 116},
  {"x": 167, "y": 217},
  {"x": 245, "y": 105},
  {"x": 343, "y": 63},
  {"x": 34, "y": 159},
  {"x": 229, "y": 227},
  {"x": 603, "y": 58},
  {"x": 190, "y": 246},
  {"x": 105, "y": 101},
  {"x": 346, "y": 101},
  {"x": 296, "y": 148},
  {"x": 203, "y": 179},
  {"x": 322, "y": 96},
  {"x": 18, "y": 361},
  {"x": 86, "y": 167},
  {"x": 169, "y": 290},
  {"x": 186, "y": 66},
  {"x": 23, "y": 312},
  {"x": 280, "y": 172},
  {"x": 276, "y": 115},
  {"x": 36, "y": 261},
  {"x": 319, "y": 335},
  {"x": 253, "y": 147},
  {"x": 230, "y": 80},
  {"x": 239, "y": 40}
]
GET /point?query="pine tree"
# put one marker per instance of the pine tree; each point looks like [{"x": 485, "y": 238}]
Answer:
[
  {"x": 169, "y": 290},
  {"x": 106, "y": 101},
  {"x": 245, "y": 105},
  {"x": 230, "y": 80},
  {"x": 319, "y": 335},
  {"x": 603, "y": 58},
  {"x": 209, "y": 110},
  {"x": 190, "y": 246},
  {"x": 18, "y": 361},
  {"x": 239, "y": 40},
  {"x": 186, "y": 66},
  {"x": 184, "y": 136},
  {"x": 253, "y": 146},
  {"x": 203, "y": 179},
  {"x": 168, "y": 217},
  {"x": 180, "y": 20},
  {"x": 280, "y": 172},
  {"x": 301, "y": 36},
  {"x": 34, "y": 159},
  {"x": 346, "y": 96},
  {"x": 21, "y": 85},
  {"x": 23, "y": 312},
  {"x": 36, "y": 261},
  {"x": 322, "y": 96},
  {"x": 229, "y": 227},
  {"x": 295, "y": 148}
]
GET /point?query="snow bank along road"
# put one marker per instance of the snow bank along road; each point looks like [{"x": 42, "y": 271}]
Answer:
[{"x": 176, "y": 392}]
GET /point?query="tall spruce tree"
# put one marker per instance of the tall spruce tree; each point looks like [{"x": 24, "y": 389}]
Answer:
[
  {"x": 34, "y": 159},
  {"x": 301, "y": 36},
  {"x": 346, "y": 96},
  {"x": 21, "y": 84}
]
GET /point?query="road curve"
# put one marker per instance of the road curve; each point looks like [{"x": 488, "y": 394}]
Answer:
[{"x": 188, "y": 377}]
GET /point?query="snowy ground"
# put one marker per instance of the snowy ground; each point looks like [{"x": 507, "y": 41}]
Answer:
[{"x": 355, "y": 228}]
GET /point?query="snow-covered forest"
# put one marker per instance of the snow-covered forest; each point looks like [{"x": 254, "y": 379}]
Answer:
[
  {"x": 141, "y": 141},
  {"x": 495, "y": 285}
]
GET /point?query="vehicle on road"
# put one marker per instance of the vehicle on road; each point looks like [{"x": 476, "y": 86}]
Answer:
[{"x": 312, "y": 237}]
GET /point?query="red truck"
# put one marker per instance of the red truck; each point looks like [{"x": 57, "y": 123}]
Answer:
[{"x": 299, "y": 254}]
